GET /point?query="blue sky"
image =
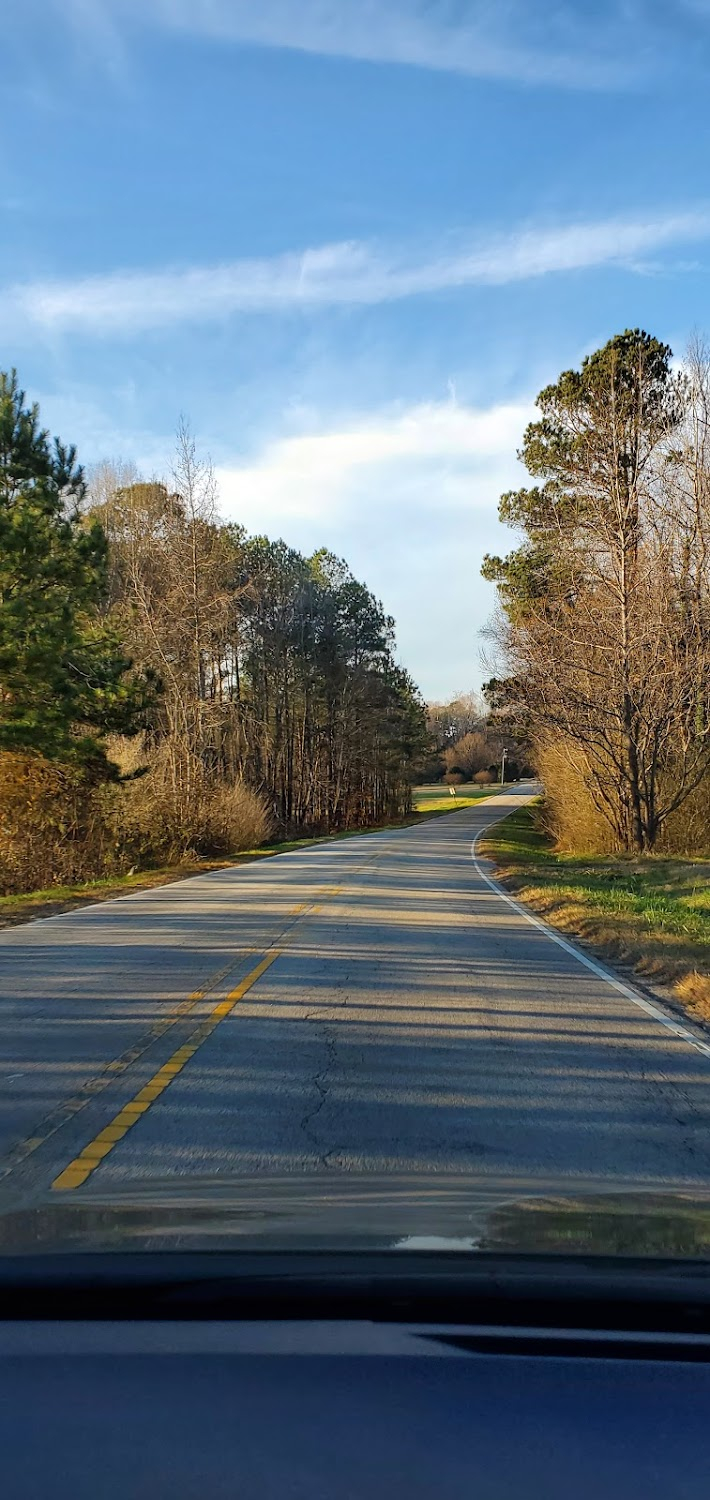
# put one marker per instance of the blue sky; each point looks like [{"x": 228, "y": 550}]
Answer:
[{"x": 349, "y": 241}]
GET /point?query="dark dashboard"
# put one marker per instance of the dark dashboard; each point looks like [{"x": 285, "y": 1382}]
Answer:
[{"x": 308, "y": 1375}]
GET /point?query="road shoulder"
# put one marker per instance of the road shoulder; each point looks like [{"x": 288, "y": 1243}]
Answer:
[
  {"x": 34, "y": 906},
  {"x": 649, "y": 922}
]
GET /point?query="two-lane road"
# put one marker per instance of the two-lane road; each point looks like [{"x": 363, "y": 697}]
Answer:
[{"x": 367, "y": 1005}]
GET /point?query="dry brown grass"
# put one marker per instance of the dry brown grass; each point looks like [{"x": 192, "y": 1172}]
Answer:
[
  {"x": 62, "y": 825},
  {"x": 576, "y": 825},
  {"x": 694, "y": 990}
]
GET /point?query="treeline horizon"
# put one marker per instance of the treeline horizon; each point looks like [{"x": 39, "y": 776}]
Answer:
[
  {"x": 170, "y": 685},
  {"x": 467, "y": 742}
]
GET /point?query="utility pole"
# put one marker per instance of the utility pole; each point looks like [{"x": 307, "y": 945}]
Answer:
[{"x": 502, "y": 767}]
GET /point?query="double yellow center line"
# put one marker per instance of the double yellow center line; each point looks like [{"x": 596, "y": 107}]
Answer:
[
  {"x": 82, "y": 1166},
  {"x": 91, "y": 1156},
  {"x": 76, "y": 1173}
]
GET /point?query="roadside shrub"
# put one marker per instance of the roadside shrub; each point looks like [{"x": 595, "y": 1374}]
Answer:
[
  {"x": 454, "y": 778},
  {"x": 57, "y": 824},
  {"x": 236, "y": 818},
  {"x": 62, "y": 825},
  {"x": 569, "y": 814},
  {"x": 576, "y": 824},
  {"x": 177, "y": 808},
  {"x": 483, "y": 778}
]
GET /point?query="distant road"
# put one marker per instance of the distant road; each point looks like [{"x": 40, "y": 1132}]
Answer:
[{"x": 364, "y": 1005}]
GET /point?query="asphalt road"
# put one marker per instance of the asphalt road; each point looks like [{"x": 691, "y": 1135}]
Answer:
[{"x": 366, "y": 1005}]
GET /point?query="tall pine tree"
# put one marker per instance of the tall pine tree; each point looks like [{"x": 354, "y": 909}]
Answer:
[{"x": 64, "y": 678}]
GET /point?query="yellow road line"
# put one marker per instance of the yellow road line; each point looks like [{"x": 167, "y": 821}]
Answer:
[
  {"x": 92, "y": 1155},
  {"x": 66, "y": 1110},
  {"x": 78, "y": 1170}
]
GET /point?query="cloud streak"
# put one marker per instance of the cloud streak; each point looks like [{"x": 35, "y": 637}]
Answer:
[
  {"x": 566, "y": 45},
  {"x": 479, "y": 40},
  {"x": 350, "y": 273}
]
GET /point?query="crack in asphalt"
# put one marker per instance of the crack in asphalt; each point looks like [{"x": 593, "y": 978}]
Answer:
[{"x": 321, "y": 1082}]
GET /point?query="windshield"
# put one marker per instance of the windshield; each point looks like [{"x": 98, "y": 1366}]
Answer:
[{"x": 355, "y": 628}]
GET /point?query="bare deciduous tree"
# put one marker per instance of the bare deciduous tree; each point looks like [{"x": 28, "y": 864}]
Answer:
[
  {"x": 606, "y": 621},
  {"x": 274, "y": 668}
]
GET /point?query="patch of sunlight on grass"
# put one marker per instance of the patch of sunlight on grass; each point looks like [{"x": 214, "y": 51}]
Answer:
[{"x": 437, "y": 798}]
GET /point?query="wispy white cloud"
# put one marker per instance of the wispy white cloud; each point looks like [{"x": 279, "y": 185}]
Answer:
[
  {"x": 409, "y": 496},
  {"x": 348, "y": 273},
  {"x": 568, "y": 44},
  {"x": 433, "y": 449}
]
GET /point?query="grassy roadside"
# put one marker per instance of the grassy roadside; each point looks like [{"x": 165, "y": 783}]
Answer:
[
  {"x": 428, "y": 803},
  {"x": 56, "y": 899},
  {"x": 652, "y": 914},
  {"x": 437, "y": 798}
]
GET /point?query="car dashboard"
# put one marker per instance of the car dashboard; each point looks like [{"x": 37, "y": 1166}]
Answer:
[{"x": 225, "y": 1375}]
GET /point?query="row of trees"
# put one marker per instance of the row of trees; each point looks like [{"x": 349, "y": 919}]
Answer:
[
  {"x": 144, "y": 641},
  {"x": 274, "y": 668},
  {"x": 604, "y": 620},
  {"x": 466, "y": 743}
]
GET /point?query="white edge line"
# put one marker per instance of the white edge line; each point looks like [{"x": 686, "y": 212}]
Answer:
[{"x": 582, "y": 958}]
